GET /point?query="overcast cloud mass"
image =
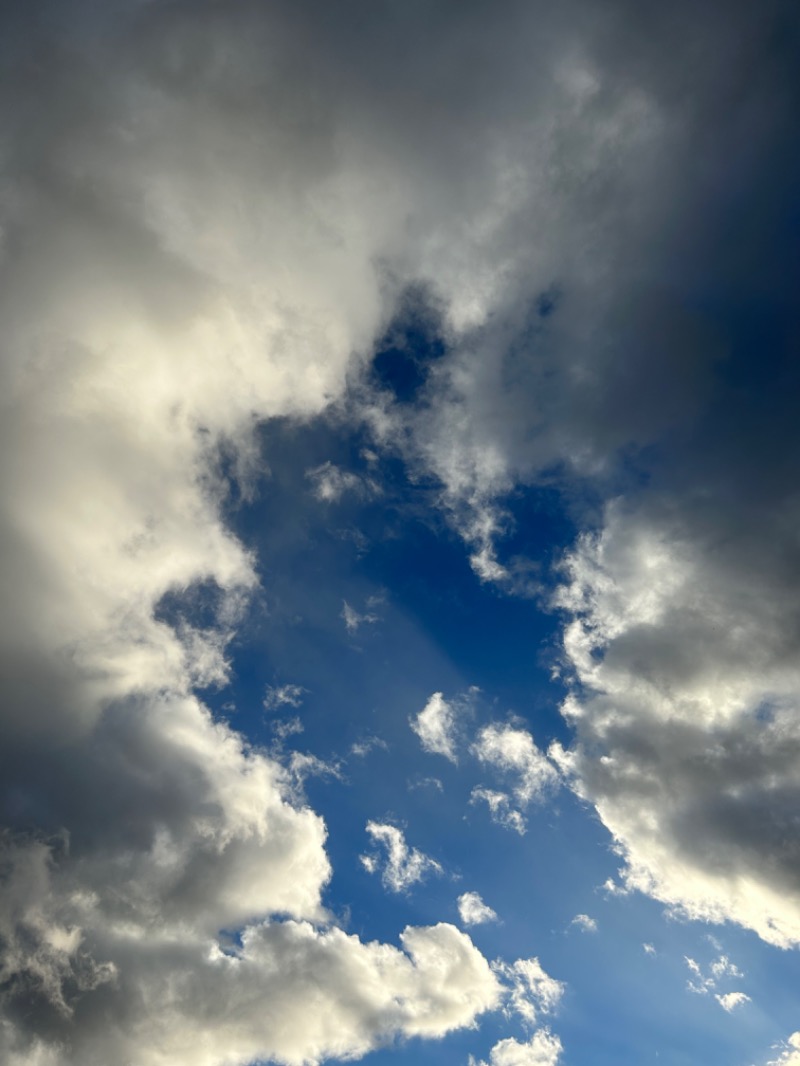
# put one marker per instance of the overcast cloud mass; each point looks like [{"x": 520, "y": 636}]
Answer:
[{"x": 399, "y": 446}]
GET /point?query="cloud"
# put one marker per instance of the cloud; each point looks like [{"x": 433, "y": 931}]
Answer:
[
  {"x": 403, "y": 866},
  {"x": 533, "y": 991},
  {"x": 790, "y": 1055},
  {"x": 688, "y": 742},
  {"x": 331, "y": 483},
  {"x": 731, "y": 1000},
  {"x": 473, "y": 911},
  {"x": 543, "y": 1049},
  {"x": 500, "y": 808},
  {"x": 354, "y": 620},
  {"x": 702, "y": 983},
  {"x": 208, "y": 214},
  {"x": 511, "y": 751},
  {"x": 283, "y": 696},
  {"x": 435, "y": 725},
  {"x": 584, "y": 923},
  {"x": 361, "y": 748}
]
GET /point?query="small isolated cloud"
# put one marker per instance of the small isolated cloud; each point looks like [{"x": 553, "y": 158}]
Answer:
[
  {"x": 731, "y": 1000},
  {"x": 790, "y": 1052},
  {"x": 435, "y": 725},
  {"x": 501, "y": 809},
  {"x": 531, "y": 991},
  {"x": 354, "y": 619},
  {"x": 362, "y": 748},
  {"x": 330, "y": 483},
  {"x": 473, "y": 911},
  {"x": 277, "y": 696},
  {"x": 401, "y": 866},
  {"x": 543, "y": 1049},
  {"x": 512, "y": 751},
  {"x": 425, "y": 782},
  {"x": 584, "y": 923},
  {"x": 649, "y": 949}
]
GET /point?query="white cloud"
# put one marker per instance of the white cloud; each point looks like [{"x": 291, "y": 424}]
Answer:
[
  {"x": 790, "y": 1055},
  {"x": 720, "y": 968},
  {"x": 584, "y": 923},
  {"x": 402, "y": 866},
  {"x": 532, "y": 991},
  {"x": 543, "y": 1049},
  {"x": 361, "y": 748},
  {"x": 511, "y": 750},
  {"x": 500, "y": 808},
  {"x": 435, "y": 725},
  {"x": 473, "y": 911},
  {"x": 729, "y": 1001},
  {"x": 283, "y": 696}
]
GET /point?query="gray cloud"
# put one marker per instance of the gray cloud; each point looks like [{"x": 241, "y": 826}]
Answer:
[{"x": 208, "y": 213}]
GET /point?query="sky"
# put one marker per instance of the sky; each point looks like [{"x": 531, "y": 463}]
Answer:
[{"x": 400, "y": 605}]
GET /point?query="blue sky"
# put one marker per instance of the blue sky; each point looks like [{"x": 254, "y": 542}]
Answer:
[{"x": 398, "y": 510}]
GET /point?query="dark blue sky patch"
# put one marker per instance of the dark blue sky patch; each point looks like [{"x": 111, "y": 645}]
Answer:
[{"x": 412, "y": 342}]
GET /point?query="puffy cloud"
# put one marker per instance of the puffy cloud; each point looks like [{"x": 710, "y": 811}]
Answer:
[
  {"x": 403, "y": 866},
  {"x": 512, "y": 751},
  {"x": 584, "y": 923},
  {"x": 196, "y": 237},
  {"x": 729, "y": 1001},
  {"x": 543, "y": 1049},
  {"x": 208, "y": 212},
  {"x": 688, "y": 740},
  {"x": 790, "y": 1055},
  {"x": 532, "y": 990},
  {"x": 473, "y": 911},
  {"x": 435, "y": 725}
]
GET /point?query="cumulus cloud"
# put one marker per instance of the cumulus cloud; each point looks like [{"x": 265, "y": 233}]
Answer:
[
  {"x": 687, "y": 724},
  {"x": 543, "y": 1049},
  {"x": 208, "y": 213},
  {"x": 196, "y": 238},
  {"x": 729, "y": 1001},
  {"x": 473, "y": 911},
  {"x": 435, "y": 725},
  {"x": 402, "y": 866},
  {"x": 790, "y": 1054}
]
